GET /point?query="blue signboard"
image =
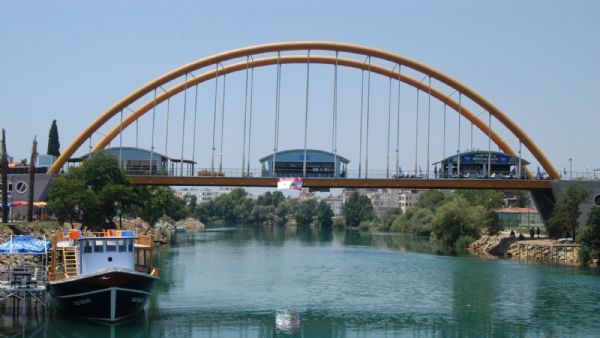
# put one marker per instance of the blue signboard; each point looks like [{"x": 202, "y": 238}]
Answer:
[{"x": 483, "y": 158}]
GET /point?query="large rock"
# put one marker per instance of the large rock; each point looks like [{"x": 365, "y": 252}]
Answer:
[{"x": 491, "y": 245}]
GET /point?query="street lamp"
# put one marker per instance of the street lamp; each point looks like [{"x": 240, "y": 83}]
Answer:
[{"x": 571, "y": 168}]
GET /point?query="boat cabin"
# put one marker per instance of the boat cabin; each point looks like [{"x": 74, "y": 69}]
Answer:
[{"x": 82, "y": 254}]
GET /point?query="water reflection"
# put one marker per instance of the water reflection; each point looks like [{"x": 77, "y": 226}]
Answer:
[
  {"x": 57, "y": 324},
  {"x": 300, "y": 282}
]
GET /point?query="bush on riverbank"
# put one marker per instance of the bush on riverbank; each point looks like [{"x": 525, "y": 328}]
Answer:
[
  {"x": 589, "y": 237},
  {"x": 453, "y": 221}
]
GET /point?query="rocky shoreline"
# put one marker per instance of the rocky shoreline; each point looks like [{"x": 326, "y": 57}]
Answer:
[{"x": 539, "y": 250}]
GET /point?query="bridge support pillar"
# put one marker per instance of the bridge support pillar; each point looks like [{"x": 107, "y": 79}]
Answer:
[{"x": 545, "y": 199}]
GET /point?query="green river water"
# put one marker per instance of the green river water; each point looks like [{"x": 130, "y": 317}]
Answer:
[{"x": 253, "y": 282}]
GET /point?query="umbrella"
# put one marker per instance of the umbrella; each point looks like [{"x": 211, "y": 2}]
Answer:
[
  {"x": 40, "y": 204},
  {"x": 538, "y": 174},
  {"x": 19, "y": 203}
]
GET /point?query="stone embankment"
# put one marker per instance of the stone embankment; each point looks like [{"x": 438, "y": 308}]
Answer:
[{"x": 529, "y": 250}]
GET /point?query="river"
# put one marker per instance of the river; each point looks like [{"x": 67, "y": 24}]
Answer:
[{"x": 253, "y": 282}]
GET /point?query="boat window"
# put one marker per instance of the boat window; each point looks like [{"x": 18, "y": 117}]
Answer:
[
  {"x": 98, "y": 246},
  {"x": 130, "y": 245},
  {"x": 111, "y": 245},
  {"x": 87, "y": 247},
  {"x": 122, "y": 247}
]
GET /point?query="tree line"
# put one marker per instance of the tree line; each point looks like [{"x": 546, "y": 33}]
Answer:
[
  {"x": 453, "y": 220},
  {"x": 98, "y": 192},
  {"x": 271, "y": 208}
]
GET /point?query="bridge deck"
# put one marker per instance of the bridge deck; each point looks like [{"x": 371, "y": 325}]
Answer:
[{"x": 347, "y": 182}]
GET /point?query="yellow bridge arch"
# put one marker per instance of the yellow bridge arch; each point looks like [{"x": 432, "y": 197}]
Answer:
[{"x": 311, "y": 46}]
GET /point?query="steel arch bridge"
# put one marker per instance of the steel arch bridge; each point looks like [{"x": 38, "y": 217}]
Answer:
[{"x": 395, "y": 67}]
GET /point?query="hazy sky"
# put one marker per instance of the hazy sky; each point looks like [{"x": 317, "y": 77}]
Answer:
[{"x": 536, "y": 60}]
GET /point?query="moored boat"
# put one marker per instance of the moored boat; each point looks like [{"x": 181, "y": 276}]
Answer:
[{"x": 102, "y": 276}]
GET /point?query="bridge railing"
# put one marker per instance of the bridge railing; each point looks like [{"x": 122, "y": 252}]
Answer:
[{"x": 372, "y": 173}]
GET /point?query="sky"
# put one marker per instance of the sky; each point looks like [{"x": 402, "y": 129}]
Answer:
[{"x": 535, "y": 60}]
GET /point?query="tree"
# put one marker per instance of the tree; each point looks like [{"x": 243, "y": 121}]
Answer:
[
  {"x": 4, "y": 169},
  {"x": 589, "y": 237},
  {"x": 31, "y": 180},
  {"x": 324, "y": 214},
  {"x": 70, "y": 200},
  {"x": 431, "y": 199},
  {"x": 456, "y": 218},
  {"x": 158, "y": 202},
  {"x": 385, "y": 222},
  {"x": 357, "y": 209},
  {"x": 93, "y": 193},
  {"x": 492, "y": 223},
  {"x": 565, "y": 216},
  {"x": 306, "y": 212},
  {"x": 521, "y": 199},
  {"x": 489, "y": 199},
  {"x": 53, "y": 143}
]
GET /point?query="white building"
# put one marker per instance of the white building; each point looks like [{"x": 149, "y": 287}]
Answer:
[
  {"x": 203, "y": 194},
  {"x": 408, "y": 198},
  {"x": 335, "y": 203}
]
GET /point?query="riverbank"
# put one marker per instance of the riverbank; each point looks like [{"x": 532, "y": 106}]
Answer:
[{"x": 540, "y": 250}]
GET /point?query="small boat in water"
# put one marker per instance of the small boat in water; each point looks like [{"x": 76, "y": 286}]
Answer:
[{"x": 104, "y": 276}]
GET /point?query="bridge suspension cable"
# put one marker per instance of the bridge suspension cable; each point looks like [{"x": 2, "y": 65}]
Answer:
[
  {"x": 222, "y": 126},
  {"x": 398, "y": 123},
  {"x": 212, "y": 160},
  {"x": 428, "y": 125},
  {"x": 362, "y": 89},
  {"x": 121, "y": 141},
  {"x": 387, "y": 152},
  {"x": 277, "y": 107},
  {"x": 245, "y": 116},
  {"x": 368, "y": 119},
  {"x": 458, "y": 150},
  {"x": 194, "y": 130},
  {"x": 334, "y": 117},
  {"x": 183, "y": 125},
  {"x": 417, "y": 132},
  {"x": 306, "y": 113},
  {"x": 250, "y": 119},
  {"x": 152, "y": 135}
]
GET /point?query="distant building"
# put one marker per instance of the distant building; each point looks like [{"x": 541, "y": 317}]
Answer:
[
  {"x": 474, "y": 164},
  {"x": 408, "y": 198},
  {"x": 383, "y": 200},
  {"x": 335, "y": 203},
  {"x": 290, "y": 163},
  {"x": 138, "y": 161},
  {"x": 519, "y": 217},
  {"x": 203, "y": 194}
]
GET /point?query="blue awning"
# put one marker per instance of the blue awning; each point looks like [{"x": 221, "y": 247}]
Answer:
[{"x": 26, "y": 245}]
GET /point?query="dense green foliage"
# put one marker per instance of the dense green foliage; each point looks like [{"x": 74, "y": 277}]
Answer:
[
  {"x": 93, "y": 193},
  {"x": 452, "y": 220},
  {"x": 271, "y": 208},
  {"x": 156, "y": 202},
  {"x": 564, "y": 219},
  {"x": 589, "y": 237},
  {"x": 98, "y": 191},
  {"x": 488, "y": 199},
  {"x": 358, "y": 208},
  {"x": 431, "y": 199},
  {"x": 324, "y": 214},
  {"x": 53, "y": 142},
  {"x": 457, "y": 218}
]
